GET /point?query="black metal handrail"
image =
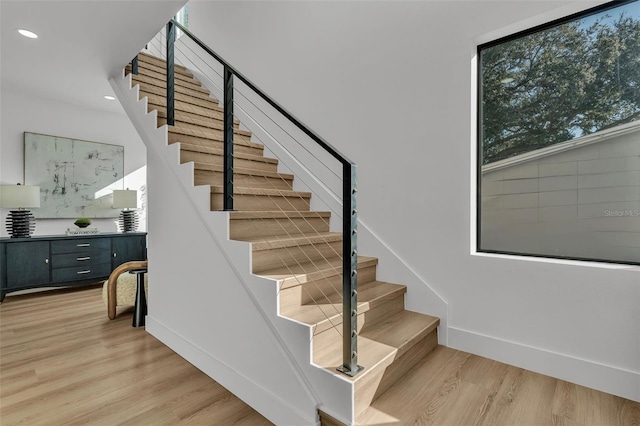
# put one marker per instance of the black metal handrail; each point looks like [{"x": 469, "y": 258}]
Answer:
[{"x": 349, "y": 212}]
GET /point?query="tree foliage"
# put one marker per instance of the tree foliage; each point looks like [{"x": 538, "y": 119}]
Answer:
[{"x": 558, "y": 84}]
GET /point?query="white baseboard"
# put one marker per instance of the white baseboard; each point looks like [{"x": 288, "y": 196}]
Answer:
[
  {"x": 605, "y": 378},
  {"x": 266, "y": 403}
]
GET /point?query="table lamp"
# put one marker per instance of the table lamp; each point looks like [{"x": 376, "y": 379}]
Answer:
[
  {"x": 126, "y": 199},
  {"x": 20, "y": 223}
]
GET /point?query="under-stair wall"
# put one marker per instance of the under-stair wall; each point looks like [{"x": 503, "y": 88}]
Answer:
[{"x": 227, "y": 324}]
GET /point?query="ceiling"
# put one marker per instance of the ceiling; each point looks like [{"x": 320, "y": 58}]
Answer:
[{"x": 80, "y": 45}]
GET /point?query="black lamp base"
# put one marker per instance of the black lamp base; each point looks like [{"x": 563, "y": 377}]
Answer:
[
  {"x": 128, "y": 221},
  {"x": 20, "y": 223}
]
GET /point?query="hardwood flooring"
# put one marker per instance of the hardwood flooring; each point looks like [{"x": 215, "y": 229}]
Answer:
[
  {"x": 451, "y": 387},
  {"x": 62, "y": 362}
]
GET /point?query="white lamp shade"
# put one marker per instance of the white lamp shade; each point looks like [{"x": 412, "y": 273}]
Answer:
[
  {"x": 125, "y": 199},
  {"x": 19, "y": 196}
]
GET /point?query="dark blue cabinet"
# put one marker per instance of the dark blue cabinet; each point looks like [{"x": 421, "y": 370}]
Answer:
[{"x": 59, "y": 260}]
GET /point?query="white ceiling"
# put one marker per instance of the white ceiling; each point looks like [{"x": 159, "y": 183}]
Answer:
[{"x": 80, "y": 45}]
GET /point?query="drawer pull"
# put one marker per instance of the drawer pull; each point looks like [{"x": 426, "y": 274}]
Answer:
[
  {"x": 46, "y": 261},
  {"x": 83, "y": 272},
  {"x": 83, "y": 258},
  {"x": 84, "y": 245}
]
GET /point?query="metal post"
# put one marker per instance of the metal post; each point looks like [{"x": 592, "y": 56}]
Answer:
[
  {"x": 171, "y": 38},
  {"x": 228, "y": 139},
  {"x": 350, "y": 365},
  {"x": 134, "y": 65}
]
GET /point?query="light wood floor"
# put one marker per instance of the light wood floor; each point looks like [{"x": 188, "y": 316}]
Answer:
[
  {"x": 451, "y": 387},
  {"x": 62, "y": 362}
]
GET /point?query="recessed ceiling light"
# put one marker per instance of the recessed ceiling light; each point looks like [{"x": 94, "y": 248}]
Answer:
[
  {"x": 28, "y": 34},
  {"x": 109, "y": 98}
]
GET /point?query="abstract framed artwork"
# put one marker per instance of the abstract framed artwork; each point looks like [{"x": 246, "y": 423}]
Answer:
[{"x": 76, "y": 177}]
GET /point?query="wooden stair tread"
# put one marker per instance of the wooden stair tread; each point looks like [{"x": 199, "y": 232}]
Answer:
[
  {"x": 149, "y": 57},
  {"x": 200, "y": 120},
  {"x": 279, "y": 214},
  {"x": 212, "y": 135},
  {"x": 215, "y": 189},
  {"x": 220, "y": 152},
  {"x": 241, "y": 170},
  {"x": 208, "y": 133},
  {"x": 370, "y": 295},
  {"x": 297, "y": 274},
  {"x": 183, "y": 106},
  {"x": 390, "y": 338},
  {"x": 278, "y": 241},
  {"x": 162, "y": 84}
]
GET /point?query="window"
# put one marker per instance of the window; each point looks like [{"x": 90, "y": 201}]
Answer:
[{"x": 559, "y": 138}]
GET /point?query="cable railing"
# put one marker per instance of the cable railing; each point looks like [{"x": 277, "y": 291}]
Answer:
[{"x": 349, "y": 258}]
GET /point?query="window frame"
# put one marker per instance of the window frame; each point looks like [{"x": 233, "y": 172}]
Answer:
[{"x": 479, "y": 120}]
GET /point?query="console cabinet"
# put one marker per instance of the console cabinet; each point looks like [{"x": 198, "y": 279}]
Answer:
[{"x": 59, "y": 260}]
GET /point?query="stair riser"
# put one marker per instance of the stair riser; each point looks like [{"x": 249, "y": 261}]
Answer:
[
  {"x": 386, "y": 308},
  {"x": 154, "y": 72},
  {"x": 155, "y": 84},
  {"x": 308, "y": 292},
  {"x": 247, "y": 228},
  {"x": 178, "y": 96},
  {"x": 377, "y": 382},
  {"x": 216, "y": 143},
  {"x": 261, "y": 203},
  {"x": 160, "y": 105},
  {"x": 207, "y": 177},
  {"x": 144, "y": 57},
  {"x": 215, "y": 159},
  {"x": 161, "y": 67},
  {"x": 212, "y": 125},
  {"x": 182, "y": 118},
  {"x": 279, "y": 257}
]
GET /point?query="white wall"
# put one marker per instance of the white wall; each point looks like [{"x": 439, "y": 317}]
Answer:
[
  {"x": 391, "y": 85},
  {"x": 24, "y": 112}
]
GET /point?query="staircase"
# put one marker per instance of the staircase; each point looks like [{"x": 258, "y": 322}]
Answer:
[{"x": 292, "y": 245}]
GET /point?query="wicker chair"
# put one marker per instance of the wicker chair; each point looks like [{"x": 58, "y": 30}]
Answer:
[{"x": 120, "y": 288}]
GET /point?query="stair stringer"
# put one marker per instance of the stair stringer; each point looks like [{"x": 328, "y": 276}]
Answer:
[{"x": 287, "y": 389}]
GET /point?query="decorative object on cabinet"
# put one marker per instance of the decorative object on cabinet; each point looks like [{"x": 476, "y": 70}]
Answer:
[
  {"x": 126, "y": 199},
  {"x": 20, "y": 223},
  {"x": 76, "y": 177},
  {"x": 83, "y": 222},
  {"x": 59, "y": 260}
]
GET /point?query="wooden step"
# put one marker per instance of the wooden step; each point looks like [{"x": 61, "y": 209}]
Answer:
[
  {"x": 327, "y": 271},
  {"x": 211, "y": 110},
  {"x": 155, "y": 63},
  {"x": 262, "y": 199},
  {"x": 189, "y": 99},
  {"x": 207, "y": 137},
  {"x": 148, "y": 58},
  {"x": 179, "y": 79},
  {"x": 376, "y": 300},
  {"x": 182, "y": 117},
  {"x": 214, "y": 156},
  {"x": 285, "y": 250},
  {"x": 149, "y": 82},
  {"x": 386, "y": 349},
  {"x": 208, "y": 174},
  {"x": 245, "y": 225}
]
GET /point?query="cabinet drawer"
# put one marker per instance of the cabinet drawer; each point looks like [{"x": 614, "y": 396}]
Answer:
[
  {"x": 84, "y": 260},
  {"x": 77, "y": 273},
  {"x": 80, "y": 245}
]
